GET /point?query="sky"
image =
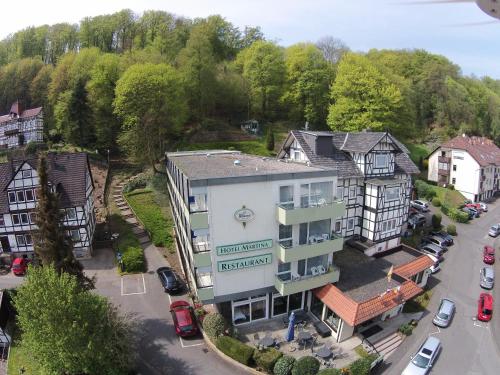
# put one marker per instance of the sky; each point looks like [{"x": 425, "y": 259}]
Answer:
[{"x": 459, "y": 31}]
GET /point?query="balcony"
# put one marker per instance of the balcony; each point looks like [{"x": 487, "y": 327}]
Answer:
[
  {"x": 204, "y": 286},
  {"x": 198, "y": 220},
  {"x": 444, "y": 159},
  {"x": 303, "y": 283},
  {"x": 315, "y": 247},
  {"x": 443, "y": 172},
  {"x": 288, "y": 215}
]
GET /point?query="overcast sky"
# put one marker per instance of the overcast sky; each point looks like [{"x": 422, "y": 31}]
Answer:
[{"x": 457, "y": 31}]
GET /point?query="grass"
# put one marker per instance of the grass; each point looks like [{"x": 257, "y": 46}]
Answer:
[
  {"x": 419, "y": 303},
  {"x": 126, "y": 237},
  {"x": 451, "y": 198},
  {"x": 417, "y": 151},
  {"x": 257, "y": 147},
  {"x": 359, "y": 350},
  {"x": 151, "y": 215},
  {"x": 18, "y": 358}
]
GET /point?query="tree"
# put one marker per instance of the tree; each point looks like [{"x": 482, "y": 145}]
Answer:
[
  {"x": 308, "y": 83},
  {"x": 51, "y": 246},
  {"x": 362, "y": 97},
  {"x": 68, "y": 330},
  {"x": 263, "y": 66},
  {"x": 333, "y": 48},
  {"x": 270, "y": 139},
  {"x": 150, "y": 100}
]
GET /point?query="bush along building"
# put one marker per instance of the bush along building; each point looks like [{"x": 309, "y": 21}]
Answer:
[
  {"x": 470, "y": 164},
  {"x": 70, "y": 176},
  {"x": 21, "y": 126}
]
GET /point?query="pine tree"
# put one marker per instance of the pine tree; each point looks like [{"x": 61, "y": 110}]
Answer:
[
  {"x": 270, "y": 139},
  {"x": 50, "y": 243}
]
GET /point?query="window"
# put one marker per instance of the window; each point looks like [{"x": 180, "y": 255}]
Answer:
[
  {"x": 340, "y": 193},
  {"x": 338, "y": 226},
  {"x": 29, "y": 195},
  {"x": 309, "y": 266},
  {"x": 284, "y": 271},
  {"x": 12, "y": 197},
  {"x": 75, "y": 235},
  {"x": 286, "y": 196},
  {"x": 296, "y": 155},
  {"x": 285, "y": 235},
  {"x": 350, "y": 224},
  {"x": 352, "y": 192},
  {"x": 20, "y": 196},
  {"x": 392, "y": 193},
  {"x": 454, "y": 167},
  {"x": 28, "y": 239},
  {"x": 380, "y": 160},
  {"x": 388, "y": 225},
  {"x": 316, "y": 194},
  {"x": 443, "y": 153},
  {"x": 314, "y": 232},
  {"x": 453, "y": 180},
  {"x": 20, "y": 240},
  {"x": 2, "y": 221},
  {"x": 26, "y": 173},
  {"x": 71, "y": 213},
  {"x": 15, "y": 219},
  {"x": 24, "y": 218}
]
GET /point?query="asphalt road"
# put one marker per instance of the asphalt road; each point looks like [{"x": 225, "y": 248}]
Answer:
[{"x": 469, "y": 346}]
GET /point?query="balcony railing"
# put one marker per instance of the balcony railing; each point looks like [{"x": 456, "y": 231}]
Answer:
[
  {"x": 316, "y": 245},
  {"x": 444, "y": 159},
  {"x": 288, "y": 214},
  {"x": 302, "y": 283},
  {"x": 443, "y": 172}
]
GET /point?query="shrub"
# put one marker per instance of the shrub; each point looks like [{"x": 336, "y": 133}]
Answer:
[
  {"x": 138, "y": 182},
  {"x": 306, "y": 366},
  {"x": 436, "y": 221},
  {"x": 133, "y": 259},
  {"x": 424, "y": 190},
  {"x": 445, "y": 209},
  {"x": 214, "y": 325},
  {"x": 362, "y": 366},
  {"x": 406, "y": 329},
  {"x": 458, "y": 215},
  {"x": 426, "y": 164},
  {"x": 330, "y": 371},
  {"x": 235, "y": 349},
  {"x": 436, "y": 202},
  {"x": 451, "y": 187},
  {"x": 451, "y": 229},
  {"x": 284, "y": 365},
  {"x": 267, "y": 358}
]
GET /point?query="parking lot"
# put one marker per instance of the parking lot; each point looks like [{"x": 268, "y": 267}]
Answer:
[{"x": 469, "y": 346}]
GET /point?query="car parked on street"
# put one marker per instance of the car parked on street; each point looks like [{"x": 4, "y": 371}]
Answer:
[
  {"x": 436, "y": 266},
  {"x": 487, "y": 277},
  {"x": 184, "y": 319},
  {"x": 434, "y": 250},
  {"x": 20, "y": 266},
  {"x": 438, "y": 241},
  {"x": 483, "y": 206},
  {"x": 422, "y": 362},
  {"x": 494, "y": 230},
  {"x": 445, "y": 236},
  {"x": 485, "y": 307},
  {"x": 489, "y": 255},
  {"x": 168, "y": 279},
  {"x": 420, "y": 205},
  {"x": 445, "y": 313}
]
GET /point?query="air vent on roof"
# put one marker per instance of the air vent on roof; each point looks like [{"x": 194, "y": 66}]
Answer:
[{"x": 237, "y": 162}]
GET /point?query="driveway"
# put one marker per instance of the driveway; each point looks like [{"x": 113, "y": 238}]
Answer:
[
  {"x": 160, "y": 350},
  {"x": 469, "y": 346}
]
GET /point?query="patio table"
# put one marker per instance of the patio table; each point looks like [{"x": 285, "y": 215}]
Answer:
[
  {"x": 324, "y": 352},
  {"x": 304, "y": 336},
  {"x": 267, "y": 341}
]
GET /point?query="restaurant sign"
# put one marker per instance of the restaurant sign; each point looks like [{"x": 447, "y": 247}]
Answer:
[
  {"x": 243, "y": 247},
  {"x": 238, "y": 264}
]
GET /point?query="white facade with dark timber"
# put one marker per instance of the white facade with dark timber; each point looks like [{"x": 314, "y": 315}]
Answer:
[
  {"x": 21, "y": 126},
  {"x": 374, "y": 181},
  {"x": 69, "y": 175},
  {"x": 256, "y": 235}
]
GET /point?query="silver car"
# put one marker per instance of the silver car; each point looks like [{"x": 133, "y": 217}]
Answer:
[
  {"x": 420, "y": 205},
  {"x": 494, "y": 230},
  {"x": 439, "y": 241},
  {"x": 430, "y": 248},
  {"x": 422, "y": 362},
  {"x": 487, "y": 277},
  {"x": 445, "y": 313}
]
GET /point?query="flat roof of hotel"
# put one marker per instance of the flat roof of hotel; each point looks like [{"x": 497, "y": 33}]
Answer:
[{"x": 221, "y": 167}]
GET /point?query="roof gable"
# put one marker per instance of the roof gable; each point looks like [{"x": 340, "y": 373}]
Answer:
[{"x": 482, "y": 149}]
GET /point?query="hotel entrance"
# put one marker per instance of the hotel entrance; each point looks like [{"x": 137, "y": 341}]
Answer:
[{"x": 251, "y": 309}]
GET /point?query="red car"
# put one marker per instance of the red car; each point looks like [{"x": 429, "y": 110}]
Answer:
[
  {"x": 184, "y": 320},
  {"x": 476, "y": 206},
  {"x": 485, "y": 307},
  {"x": 20, "y": 266},
  {"x": 489, "y": 255}
]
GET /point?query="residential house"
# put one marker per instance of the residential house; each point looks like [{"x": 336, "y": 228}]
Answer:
[{"x": 21, "y": 126}]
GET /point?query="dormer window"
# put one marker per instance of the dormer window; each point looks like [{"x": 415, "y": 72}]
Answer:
[{"x": 381, "y": 161}]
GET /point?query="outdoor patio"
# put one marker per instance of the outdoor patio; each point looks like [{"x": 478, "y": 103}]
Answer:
[{"x": 329, "y": 352}]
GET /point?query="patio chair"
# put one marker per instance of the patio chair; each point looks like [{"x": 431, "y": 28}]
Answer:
[
  {"x": 314, "y": 271},
  {"x": 321, "y": 269}
]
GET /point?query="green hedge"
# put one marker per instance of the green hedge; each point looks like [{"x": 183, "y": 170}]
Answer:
[
  {"x": 451, "y": 229},
  {"x": 436, "y": 221},
  {"x": 133, "y": 260},
  {"x": 284, "y": 365},
  {"x": 306, "y": 366},
  {"x": 458, "y": 215},
  {"x": 436, "y": 202},
  {"x": 362, "y": 366},
  {"x": 235, "y": 349},
  {"x": 330, "y": 371},
  {"x": 424, "y": 190},
  {"x": 214, "y": 325},
  {"x": 267, "y": 358}
]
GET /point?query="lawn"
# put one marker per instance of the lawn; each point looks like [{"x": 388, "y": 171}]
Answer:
[
  {"x": 156, "y": 222},
  {"x": 451, "y": 198},
  {"x": 257, "y": 147},
  {"x": 417, "y": 151},
  {"x": 18, "y": 359}
]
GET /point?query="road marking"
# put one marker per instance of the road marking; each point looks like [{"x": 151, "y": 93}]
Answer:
[
  {"x": 134, "y": 293},
  {"x": 435, "y": 333},
  {"x": 477, "y": 324},
  {"x": 189, "y": 346}
]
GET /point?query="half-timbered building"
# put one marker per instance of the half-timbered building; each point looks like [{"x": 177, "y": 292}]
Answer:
[
  {"x": 21, "y": 126},
  {"x": 69, "y": 175},
  {"x": 374, "y": 181}
]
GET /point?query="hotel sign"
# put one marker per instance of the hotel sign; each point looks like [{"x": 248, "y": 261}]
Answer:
[
  {"x": 248, "y": 262},
  {"x": 243, "y": 247}
]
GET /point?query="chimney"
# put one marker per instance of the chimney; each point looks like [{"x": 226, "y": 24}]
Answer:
[{"x": 324, "y": 145}]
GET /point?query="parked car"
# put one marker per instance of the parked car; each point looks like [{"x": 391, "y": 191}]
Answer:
[
  {"x": 184, "y": 320},
  {"x": 434, "y": 250},
  {"x": 168, "y": 279},
  {"x": 487, "y": 277},
  {"x": 20, "y": 266},
  {"x": 475, "y": 206},
  {"x": 494, "y": 230},
  {"x": 445, "y": 313},
  {"x": 475, "y": 211},
  {"x": 483, "y": 206},
  {"x": 420, "y": 205},
  {"x": 489, "y": 255},
  {"x": 470, "y": 212},
  {"x": 436, "y": 266},
  {"x": 447, "y": 237},
  {"x": 422, "y": 362},
  {"x": 485, "y": 307},
  {"x": 441, "y": 242},
  {"x": 417, "y": 220}
]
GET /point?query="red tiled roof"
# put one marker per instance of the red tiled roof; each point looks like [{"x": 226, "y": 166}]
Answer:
[
  {"x": 482, "y": 149},
  {"x": 25, "y": 114},
  {"x": 354, "y": 313},
  {"x": 410, "y": 269}
]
